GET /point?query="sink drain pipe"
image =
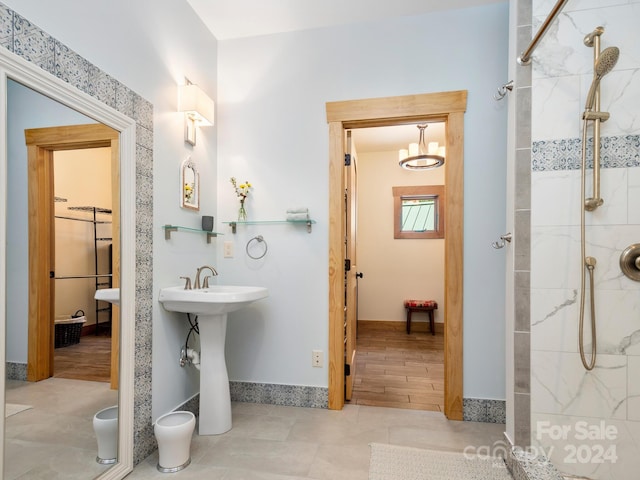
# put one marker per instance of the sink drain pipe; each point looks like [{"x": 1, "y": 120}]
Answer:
[{"x": 189, "y": 355}]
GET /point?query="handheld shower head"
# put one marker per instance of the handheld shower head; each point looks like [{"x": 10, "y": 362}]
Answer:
[{"x": 605, "y": 63}]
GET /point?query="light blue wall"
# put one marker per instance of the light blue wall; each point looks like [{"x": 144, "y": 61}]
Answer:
[
  {"x": 272, "y": 129},
  {"x": 151, "y": 46},
  {"x": 25, "y": 109},
  {"x": 273, "y": 132}
]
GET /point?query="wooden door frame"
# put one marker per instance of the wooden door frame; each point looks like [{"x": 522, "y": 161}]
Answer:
[
  {"x": 351, "y": 298},
  {"x": 41, "y": 144},
  {"x": 445, "y": 106}
]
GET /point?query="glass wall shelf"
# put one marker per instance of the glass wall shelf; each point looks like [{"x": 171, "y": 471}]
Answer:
[
  {"x": 234, "y": 224},
  {"x": 168, "y": 229}
]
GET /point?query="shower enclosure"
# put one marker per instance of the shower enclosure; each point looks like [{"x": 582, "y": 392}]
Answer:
[{"x": 586, "y": 421}]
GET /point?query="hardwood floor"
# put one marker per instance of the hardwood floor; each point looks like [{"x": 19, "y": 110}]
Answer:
[
  {"x": 394, "y": 369},
  {"x": 88, "y": 360}
]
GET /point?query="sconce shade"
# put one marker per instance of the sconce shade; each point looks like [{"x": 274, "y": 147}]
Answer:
[{"x": 196, "y": 104}]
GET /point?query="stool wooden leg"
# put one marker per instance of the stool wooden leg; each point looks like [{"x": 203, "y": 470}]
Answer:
[
  {"x": 408, "y": 320},
  {"x": 431, "y": 323}
]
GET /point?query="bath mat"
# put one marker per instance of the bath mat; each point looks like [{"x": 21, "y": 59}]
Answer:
[
  {"x": 13, "y": 408},
  {"x": 393, "y": 462}
]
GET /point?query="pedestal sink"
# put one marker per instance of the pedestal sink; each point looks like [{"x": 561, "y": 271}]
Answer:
[
  {"x": 212, "y": 305},
  {"x": 111, "y": 295}
]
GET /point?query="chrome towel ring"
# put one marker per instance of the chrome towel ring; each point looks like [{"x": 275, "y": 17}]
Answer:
[{"x": 260, "y": 240}]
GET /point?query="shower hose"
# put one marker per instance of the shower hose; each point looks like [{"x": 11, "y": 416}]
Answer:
[{"x": 587, "y": 264}]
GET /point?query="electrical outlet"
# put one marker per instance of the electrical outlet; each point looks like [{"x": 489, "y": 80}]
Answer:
[
  {"x": 316, "y": 358},
  {"x": 228, "y": 249}
]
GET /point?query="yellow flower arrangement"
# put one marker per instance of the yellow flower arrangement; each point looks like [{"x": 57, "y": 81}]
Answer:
[
  {"x": 242, "y": 191},
  {"x": 188, "y": 192}
]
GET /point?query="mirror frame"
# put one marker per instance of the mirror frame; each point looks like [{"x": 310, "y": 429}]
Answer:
[
  {"x": 184, "y": 203},
  {"x": 20, "y": 70}
]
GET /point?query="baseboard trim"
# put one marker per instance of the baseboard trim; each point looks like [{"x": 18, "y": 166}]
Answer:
[
  {"x": 484, "y": 410},
  {"x": 524, "y": 465},
  {"x": 416, "y": 325},
  {"x": 275, "y": 394},
  {"x": 16, "y": 371}
]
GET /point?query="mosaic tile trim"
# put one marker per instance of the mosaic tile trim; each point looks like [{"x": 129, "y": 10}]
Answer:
[
  {"x": 16, "y": 371},
  {"x": 192, "y": 405},
  {"x": 6, "y": 28},
  {"x": 26, "y": 40},
  {"x": 483, "y": 410},
  {"x": 274, "y": 394},
  {"x": 527, "y": 466},
  {"x": 566, "y": 154}
]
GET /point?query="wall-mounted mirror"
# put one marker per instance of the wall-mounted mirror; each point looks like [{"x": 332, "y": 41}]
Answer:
[
  {"x": 55, "y": 380},
  {"x": 189, "y": 185}
]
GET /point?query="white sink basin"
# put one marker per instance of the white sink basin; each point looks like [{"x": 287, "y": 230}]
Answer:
[
  {"x": 213, "y": 300},
  {"x": 111, "y": 295},
  {"x": 212, "y": 305}
]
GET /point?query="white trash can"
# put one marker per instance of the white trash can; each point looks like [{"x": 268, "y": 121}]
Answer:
[
  {"x": 105, "y": 426},
  {"x": 173, "y": 432}
]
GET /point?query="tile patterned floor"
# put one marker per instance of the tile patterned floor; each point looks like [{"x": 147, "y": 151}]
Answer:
[
  {"x": 269, "y": 442},
  {"x": 88, "y": 360},
  {"x": 399, "y": 370},
  {"x": 55, "y": 438}
]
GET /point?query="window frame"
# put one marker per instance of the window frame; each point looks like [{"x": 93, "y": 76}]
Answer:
[{"x": 435, "y": 191}]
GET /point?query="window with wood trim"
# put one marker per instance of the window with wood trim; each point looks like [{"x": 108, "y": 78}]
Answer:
[{"x": 418, "y": 211}]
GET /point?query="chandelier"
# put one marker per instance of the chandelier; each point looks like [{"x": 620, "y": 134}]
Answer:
[{"x": 421, "y": 156}]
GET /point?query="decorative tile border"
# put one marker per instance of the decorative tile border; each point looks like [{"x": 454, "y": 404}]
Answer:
[
  {"x": 566, "y": 154},
  {"x": 26, "y": 40},
  {"x": 527, "y": 466},
  {"x": 16, "y": 371},
  {"x": 483, "y": 410},
  {"x": 274, "y": 394},
  {"x": 192, "y": 405}
]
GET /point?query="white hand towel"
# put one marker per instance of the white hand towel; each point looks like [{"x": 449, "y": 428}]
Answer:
[{"x": 297, "y": 216}]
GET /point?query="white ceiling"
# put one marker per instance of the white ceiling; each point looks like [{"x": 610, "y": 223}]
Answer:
[
  {"x": 229, "y": 19},
  {"x": 384, "y": 139},
  {"x": 247, "y": 18}
]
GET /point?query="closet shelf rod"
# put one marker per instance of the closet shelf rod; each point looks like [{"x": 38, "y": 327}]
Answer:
[
  {"x": 67, "y": 277},
  {"x": 82, "y": 219}
]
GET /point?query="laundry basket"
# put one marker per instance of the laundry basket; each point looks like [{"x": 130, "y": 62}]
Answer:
[{"x": 68, "y": 329}]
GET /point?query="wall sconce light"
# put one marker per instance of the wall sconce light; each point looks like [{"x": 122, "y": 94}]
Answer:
[{"x": 197, "y": 107}]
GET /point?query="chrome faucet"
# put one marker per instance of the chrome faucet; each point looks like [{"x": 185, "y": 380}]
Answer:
[{"x": 205, "y": 284}]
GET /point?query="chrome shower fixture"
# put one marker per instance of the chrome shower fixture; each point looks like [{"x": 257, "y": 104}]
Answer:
[
  {"x": 589, "y": 40},
  {"x": 603, "y": 65}
]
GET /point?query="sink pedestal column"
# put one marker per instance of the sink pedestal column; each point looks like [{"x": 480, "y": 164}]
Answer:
[{"x": 215, "y": 398}]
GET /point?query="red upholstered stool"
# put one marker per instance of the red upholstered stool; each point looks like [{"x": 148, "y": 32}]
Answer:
[{"x": 420, "y": 306}]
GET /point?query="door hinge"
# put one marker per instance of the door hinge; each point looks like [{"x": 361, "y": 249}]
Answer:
[
  {"x": 347, "y": 369},
  {"x": 347, "y": 264},
  {"x": 52, "y": 274},
  {"x": 347, "y": 159}
]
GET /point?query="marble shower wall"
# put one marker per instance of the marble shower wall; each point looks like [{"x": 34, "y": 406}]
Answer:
[{"x": 569, "y": 403}]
